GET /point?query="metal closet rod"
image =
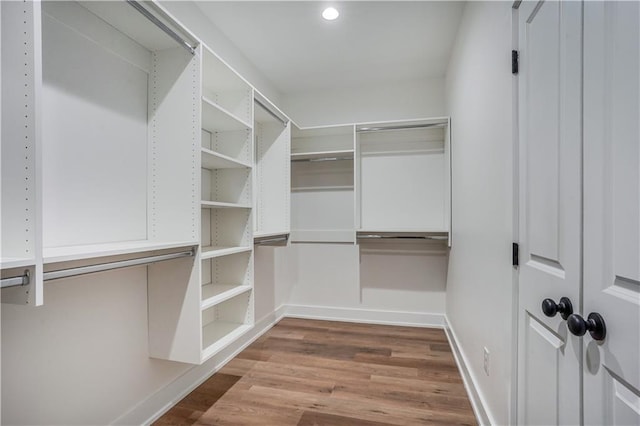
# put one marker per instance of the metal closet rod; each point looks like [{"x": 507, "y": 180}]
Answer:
[
  {"x": 402, "y": 237},
  {"x": 23, "y": 279},
  {"x": 158, "y": 23},
  {"x": 318, "y": 160},
  {"x": 82, "y": 270},
  {"x": 271, "y": 113},
  {"x": 266, "y": 241},
  {"x": 400, "y": 127}
]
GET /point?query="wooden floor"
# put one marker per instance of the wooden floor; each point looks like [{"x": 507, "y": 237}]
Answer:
[{"x": 305, "y": 372}]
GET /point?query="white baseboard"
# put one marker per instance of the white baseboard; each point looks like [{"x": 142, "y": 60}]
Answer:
[
  {"x": 411, "y": 319},
  {"x": 475, "y": 396},
  {"x": 160, "y": 402}
]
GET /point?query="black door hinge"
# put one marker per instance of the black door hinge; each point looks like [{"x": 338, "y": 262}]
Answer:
[
  {"x": 515, "y": 257},
  {"x": 514, "y": 62}
]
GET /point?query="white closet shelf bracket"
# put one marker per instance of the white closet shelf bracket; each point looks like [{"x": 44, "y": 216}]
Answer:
[
  {"x": 23, "y": 279},
  {"x": 82, "y": 270},
  {"x": 164, "y": 27}
]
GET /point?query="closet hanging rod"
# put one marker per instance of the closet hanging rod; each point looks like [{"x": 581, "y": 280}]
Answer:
[
  {"x": 271, "y": 113},
  {"x": 158, "y": 23},
  {"x": 24, "y": 279},
  {"x": 401, "y": 127},
  {"x": 319, "y": 160},
  {"x": 267, "y": 241},
  {"x": 402, "y": 237},
  {"x": 82, "y": 270}
]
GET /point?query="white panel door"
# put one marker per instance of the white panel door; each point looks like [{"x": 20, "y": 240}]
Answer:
[
  {"x": 612, "y": 211},
  {"x": 550, "y": 209}
]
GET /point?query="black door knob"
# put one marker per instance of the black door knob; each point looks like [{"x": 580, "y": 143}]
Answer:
[
  {"x": 550, "y": 308},
  {"x": 594, "y": 325}
]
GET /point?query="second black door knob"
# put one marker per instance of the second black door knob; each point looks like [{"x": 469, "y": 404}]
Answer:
[{"x": 551, "y": 308}]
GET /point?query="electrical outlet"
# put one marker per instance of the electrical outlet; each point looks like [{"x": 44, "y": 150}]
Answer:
[{"x": 486, "y": 361}]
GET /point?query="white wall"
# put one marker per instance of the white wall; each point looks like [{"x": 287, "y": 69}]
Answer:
[
  {"x": 189, "y": 15},
  {"x": 398, "y": 101},
  {"x": 82, "y": 357},
  {"x": 479, "y": 288},
  {"x": 378, "y": 284}
]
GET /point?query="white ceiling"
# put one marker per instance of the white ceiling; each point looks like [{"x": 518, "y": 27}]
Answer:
[{"x": 371, "y": 43}]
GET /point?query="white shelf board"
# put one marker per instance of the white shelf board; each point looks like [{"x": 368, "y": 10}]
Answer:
[
  {"x": 321, "y": 188},
  {"x": 220, "y": 334},
  {"x": 213, "y": 294},
  {"x": 135, "y": 25},
  {"x": 217, "y": 119},
  {"x": 380, "y": 235},
  {"x": 332, "y": 130},
  {"x": 403, "y": 230},
  {"x": 322, "y": 236},
  {"x": 269, "y": 234},
  {"x": 209, "y": 252},
  {"x": 69, "y": 253},
  {"x": 220, "y": 205},
  {"x": 214, "y": 160},
  {"x": 342, "y": 153},
  {"x": 16, "y": 262}
]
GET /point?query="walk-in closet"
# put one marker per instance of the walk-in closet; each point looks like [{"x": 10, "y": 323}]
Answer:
[{"x": 319, "y": 213}]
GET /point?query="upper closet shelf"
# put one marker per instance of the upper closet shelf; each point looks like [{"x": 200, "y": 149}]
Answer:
[
  {"x": 409, "y": 234},
  {"x": 66, "y": 254},
  {"x": 217, "y": 119},
  {"x": 15, "y": 262},
  {"x": 214, "y": 160},
  {"x": 222, "y": 205},
  {"x": 342, "y": 154},
  {"x": 150, "y": 26}
]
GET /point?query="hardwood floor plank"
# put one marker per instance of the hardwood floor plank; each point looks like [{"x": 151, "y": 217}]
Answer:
[
  {"x": 311, "y": 418},
  {"x": 346, "y": 366},
  {"x": 387, "y": 412},
  {"x": 427, "y": 364},
  {"x": 306, "y": 372},
  {"x": 238, "y": 367},
  {"x": 179, "y": 416},
  {"x": 303, "y": 372},
  {"x": 238, "y": 412}
]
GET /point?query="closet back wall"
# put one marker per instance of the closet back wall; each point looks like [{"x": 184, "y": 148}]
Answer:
[{"x": 399, "y": 282}]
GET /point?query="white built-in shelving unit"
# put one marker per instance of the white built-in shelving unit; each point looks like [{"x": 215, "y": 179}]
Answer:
[
  {"x": 21, "y": 180},
  {"x": 272, "y": 177},
  {"x": 371, "y": 182},
  {"x": 403, "y": 173},
  {"x": 129, "y": 147},
  {"x": 322, "y": 184},
  {"x": 226, "y": 219},
  {"x": 106, "y": 94}
]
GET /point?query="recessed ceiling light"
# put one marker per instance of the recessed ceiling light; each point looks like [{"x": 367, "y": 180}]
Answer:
[{"x": 330, "y": 13}]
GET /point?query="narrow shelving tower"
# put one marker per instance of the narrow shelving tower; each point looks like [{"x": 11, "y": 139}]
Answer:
[{"x": 226, "y": 252}]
